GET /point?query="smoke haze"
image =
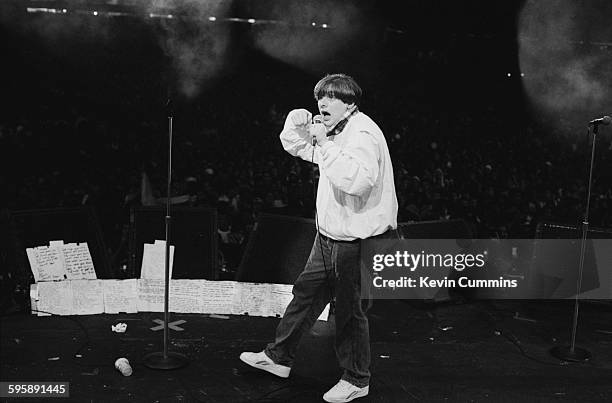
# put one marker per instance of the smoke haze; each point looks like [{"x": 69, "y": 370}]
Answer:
[
  {"x": 566, "y": 73},
  {"x": 305, "y": 47},
  {"x": 196, "y": 47}
]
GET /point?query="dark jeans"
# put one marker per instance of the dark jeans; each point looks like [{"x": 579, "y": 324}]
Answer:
[{"x": 311, "y": 292}]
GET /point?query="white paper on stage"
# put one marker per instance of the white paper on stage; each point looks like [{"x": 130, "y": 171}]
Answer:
[
  {"x": 325, "y": 314},
  {"x": 150, "y": 295},
  {"x": 252, "y": 299},
  {"x": 55, "y": 297},
  {"x": 58, "y": 262},
  {"x": 218, "y": 296},
  {"x": 280, "y": 296},
  {"x": 47, "y": 263},
  {"x": 34, "y": 265},
  {"x": 120, "y": 295},
  {"x": 34, "y": 298},
  {"x": 78, "y": 262},
  {"x": 154, "y": 260},
  {"x": 185, "y": 296},
  {"x": 88, "y": 297}
]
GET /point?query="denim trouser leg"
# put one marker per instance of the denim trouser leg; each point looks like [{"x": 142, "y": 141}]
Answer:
[
  {"x": 352, "y": 328},
  {"x": 310, "y": 295},
  {"x": 311, "y": 292}
]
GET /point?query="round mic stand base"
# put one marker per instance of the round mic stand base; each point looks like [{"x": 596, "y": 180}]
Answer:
[
  {"x": 169, "y": 361},
  {"x": 566, "y": 353}
]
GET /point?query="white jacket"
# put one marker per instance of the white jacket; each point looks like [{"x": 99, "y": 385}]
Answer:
[{"x": 356, "y": 194}]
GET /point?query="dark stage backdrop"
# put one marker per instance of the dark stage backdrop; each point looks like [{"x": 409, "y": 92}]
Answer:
[{"x": 193, "y": 232}]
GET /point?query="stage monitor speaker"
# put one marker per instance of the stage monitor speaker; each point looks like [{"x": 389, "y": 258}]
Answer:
[
  {"x": 193, "y": 232},
  {"x": 555, "y": 266},
  {"x": 32, "y": 228},
  {"x": 438, "y": 229},
  {"x": 277, "y": 250}
]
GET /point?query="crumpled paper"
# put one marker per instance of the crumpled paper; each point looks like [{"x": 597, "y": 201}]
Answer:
[{"x": 119, "y": 327}]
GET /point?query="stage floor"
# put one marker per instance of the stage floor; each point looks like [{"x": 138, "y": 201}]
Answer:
[{"x": 421, "y": 352}]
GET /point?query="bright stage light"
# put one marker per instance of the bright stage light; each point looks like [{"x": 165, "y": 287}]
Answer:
[{"x": 44, "y": 10}]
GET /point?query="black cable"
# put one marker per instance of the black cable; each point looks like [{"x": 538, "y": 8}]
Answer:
[{"x": 332, "y": 303}]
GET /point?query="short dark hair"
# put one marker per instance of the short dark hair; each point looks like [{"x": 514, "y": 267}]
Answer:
[{"x": 339, "y": 86}]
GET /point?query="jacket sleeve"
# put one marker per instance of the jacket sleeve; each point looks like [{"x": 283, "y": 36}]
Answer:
[
  {"x": 354, "y": 168},
  {"x": 296, "y": 140}
]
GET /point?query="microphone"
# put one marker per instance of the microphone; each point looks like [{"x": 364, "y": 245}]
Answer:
[
  {"x": 316, "y": 119},
  {"x": 606, "y": 120}
]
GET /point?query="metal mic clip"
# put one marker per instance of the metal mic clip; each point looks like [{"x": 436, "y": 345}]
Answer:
[{"x": 316, "y": 119}]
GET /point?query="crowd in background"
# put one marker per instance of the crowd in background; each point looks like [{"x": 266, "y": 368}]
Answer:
[{"x": 502, "y": 180}]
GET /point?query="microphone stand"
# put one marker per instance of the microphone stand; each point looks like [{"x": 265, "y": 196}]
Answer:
[
  {"x": 571, "y": 352},
  {"x": 166, "y": 359}
]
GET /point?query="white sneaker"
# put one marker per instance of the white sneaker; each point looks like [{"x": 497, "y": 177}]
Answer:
[
  {"x": 345, "y": 391},
  {"x": 262, "y": 361}
]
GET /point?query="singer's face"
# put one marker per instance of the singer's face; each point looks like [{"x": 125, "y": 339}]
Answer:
[{"x": 332, "y": 110}]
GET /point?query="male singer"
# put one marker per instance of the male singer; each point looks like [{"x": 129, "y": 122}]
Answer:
[{"x": 355, "y": 200}]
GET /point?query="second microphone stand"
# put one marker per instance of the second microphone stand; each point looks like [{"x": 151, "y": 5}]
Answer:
[{"x": 571, "y": 352}]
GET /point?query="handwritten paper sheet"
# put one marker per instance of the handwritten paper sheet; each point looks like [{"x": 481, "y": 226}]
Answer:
[
  {"x": 252, "y": 299},
  {"x": 280, "y": 296},
  {"x": 218, "y": 296},
  {"x": 55, "y": 297},
  {"x": 120, "y": 295},
  {"x": 34, "y": 264},
  {"x": 78, "y": 261},
  {"x": 154, "y": 260},
  {"x": 47, "y": 263},
  {"x": 58, "y": 262},
  {"x": 88, "y": 297},
  {"x": 150, "y": 295},
  {"x": 185, "y": 296}
]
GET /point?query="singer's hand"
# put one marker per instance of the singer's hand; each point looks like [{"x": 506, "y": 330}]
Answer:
[
  {"x": 300, "y": 117},
  {"x": 319, "y": 132}
]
